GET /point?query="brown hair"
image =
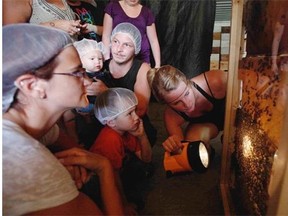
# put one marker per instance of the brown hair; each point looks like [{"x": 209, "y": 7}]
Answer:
[{"x": 164, "y": 79}]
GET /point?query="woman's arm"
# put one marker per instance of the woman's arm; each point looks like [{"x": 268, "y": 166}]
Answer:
[
  {"x": 154, "y": 43},
  {"x": 142, "y": 90},
  {"x": 173, "y": 123},
  {"x": 15, "y": 11},
  {"x": 101, "y": 166},
  {"x": 72, "y": 27},
  {"x": 278, "y": 32},
  {"x": 93, "y": 28},
  {"x": 107, "y": 30},
  {"x": 81, "y": 205}
]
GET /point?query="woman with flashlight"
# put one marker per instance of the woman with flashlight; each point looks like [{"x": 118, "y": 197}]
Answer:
[{"x": 200, "y": 101}]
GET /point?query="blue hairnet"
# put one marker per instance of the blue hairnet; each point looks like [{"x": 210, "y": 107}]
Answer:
[{"x": 27, "y": 47}]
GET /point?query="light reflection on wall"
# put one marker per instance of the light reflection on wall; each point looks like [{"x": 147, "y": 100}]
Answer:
[{"x": 247, "y": 147}]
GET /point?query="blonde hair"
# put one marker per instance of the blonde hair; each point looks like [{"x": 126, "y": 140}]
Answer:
[{"x": 164, "y": 79}]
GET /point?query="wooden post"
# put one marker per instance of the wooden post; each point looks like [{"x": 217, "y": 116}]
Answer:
[{"x": 232, "y": 102}]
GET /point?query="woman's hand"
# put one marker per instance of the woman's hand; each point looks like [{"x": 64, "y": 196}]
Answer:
[
  {"x": 96, "y": 88},
  {"x": 72, "y": 27},
  {"x": 79, "y": 174},
  {"x": 172, "y": 144},
  {"x": 81, "y": 157}
]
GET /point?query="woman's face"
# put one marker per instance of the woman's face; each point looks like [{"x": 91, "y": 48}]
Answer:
[
  {"x": 67, "y": 91},
  {"x": 132, "y": 2},
  {"x": 181, "y": 99}
]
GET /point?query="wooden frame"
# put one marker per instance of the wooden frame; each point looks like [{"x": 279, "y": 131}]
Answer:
[
  {"x": 278, "y": 187},
  {"x": 232, "y": 102}
]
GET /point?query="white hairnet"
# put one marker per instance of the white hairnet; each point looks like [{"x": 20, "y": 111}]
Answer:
[
  {"x": 86, "y": 45},
  {"x": 132, "y": 31},
  {"x": 113, "y": 102},
  {"x": 27, "y": 47}
]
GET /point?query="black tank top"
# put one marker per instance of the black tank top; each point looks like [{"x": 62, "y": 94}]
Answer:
[
  {"x": 128, "y": 80},
  {"x": 215, "y": 116}
]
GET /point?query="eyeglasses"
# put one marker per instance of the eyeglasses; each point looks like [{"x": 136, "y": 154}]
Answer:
[{"x": 78, "y": 74}]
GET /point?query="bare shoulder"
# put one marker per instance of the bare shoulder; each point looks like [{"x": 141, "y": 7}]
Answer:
[
  {"x": 216, "y": 77},
  {"x": 145, "y": 67},
  {"x": 15, "y": 11},
  {"x": 143, "y": 70},
  {"x": 216, "y": 81}
]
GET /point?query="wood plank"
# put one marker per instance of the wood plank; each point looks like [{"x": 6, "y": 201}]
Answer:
[
  {"x": 215, "y": 50},
  {"x": 216, "y": 35},
  {"x": 225, "y": 29}
]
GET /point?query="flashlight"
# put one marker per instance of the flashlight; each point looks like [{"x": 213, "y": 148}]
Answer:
[{"x": 194, "y": 156}]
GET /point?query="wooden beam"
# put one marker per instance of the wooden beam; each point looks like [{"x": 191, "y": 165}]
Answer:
[{"x": 232, "y": 102}]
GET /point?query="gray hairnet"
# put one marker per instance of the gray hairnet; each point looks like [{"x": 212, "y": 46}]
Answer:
[
  {"x": 27, "y": 47},
  {"x": 132, "y": 31},
  {"x": 113, "y": 102},
  {"x": 86, "y": 45}
]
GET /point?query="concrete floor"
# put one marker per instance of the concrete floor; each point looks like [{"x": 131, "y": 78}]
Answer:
[{"x": 188, "y": 194}]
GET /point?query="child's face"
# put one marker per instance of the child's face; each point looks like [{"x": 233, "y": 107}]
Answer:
[
  {"x": 127, "y": 121},
  {"x": 92, "y": 61}
]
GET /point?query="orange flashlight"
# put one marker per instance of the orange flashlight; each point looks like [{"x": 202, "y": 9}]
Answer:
[{"x": 194, "y": 156}]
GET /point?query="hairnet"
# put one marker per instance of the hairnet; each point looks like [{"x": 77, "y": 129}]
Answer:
[
  {"x": 86, "y": 45},
  {"x": 27, "y": 47},
  {"x": 113, "y": 102},
  {"x": 132, "y": 32}
]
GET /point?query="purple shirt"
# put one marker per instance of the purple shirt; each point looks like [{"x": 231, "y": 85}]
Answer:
[{"x": 145, "y": 18}]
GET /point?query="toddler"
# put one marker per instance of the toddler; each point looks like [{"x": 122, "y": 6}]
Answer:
[
  {"x": 91, "y": 54},
  {"x": 122, "y": 136},
  {"x": 79, "y": 122}
]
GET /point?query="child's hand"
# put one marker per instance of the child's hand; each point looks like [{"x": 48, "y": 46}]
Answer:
[{"x": 139, "y": 131}]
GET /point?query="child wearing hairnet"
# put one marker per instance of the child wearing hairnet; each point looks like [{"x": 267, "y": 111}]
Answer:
[
  {"x": 81, "y": 123},
  {"x": 122, "y": 136},
  {"x": 91, "y": 54}
]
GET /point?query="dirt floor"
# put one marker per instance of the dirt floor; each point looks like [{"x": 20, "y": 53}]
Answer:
[{"x": 186, "y": 194}]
